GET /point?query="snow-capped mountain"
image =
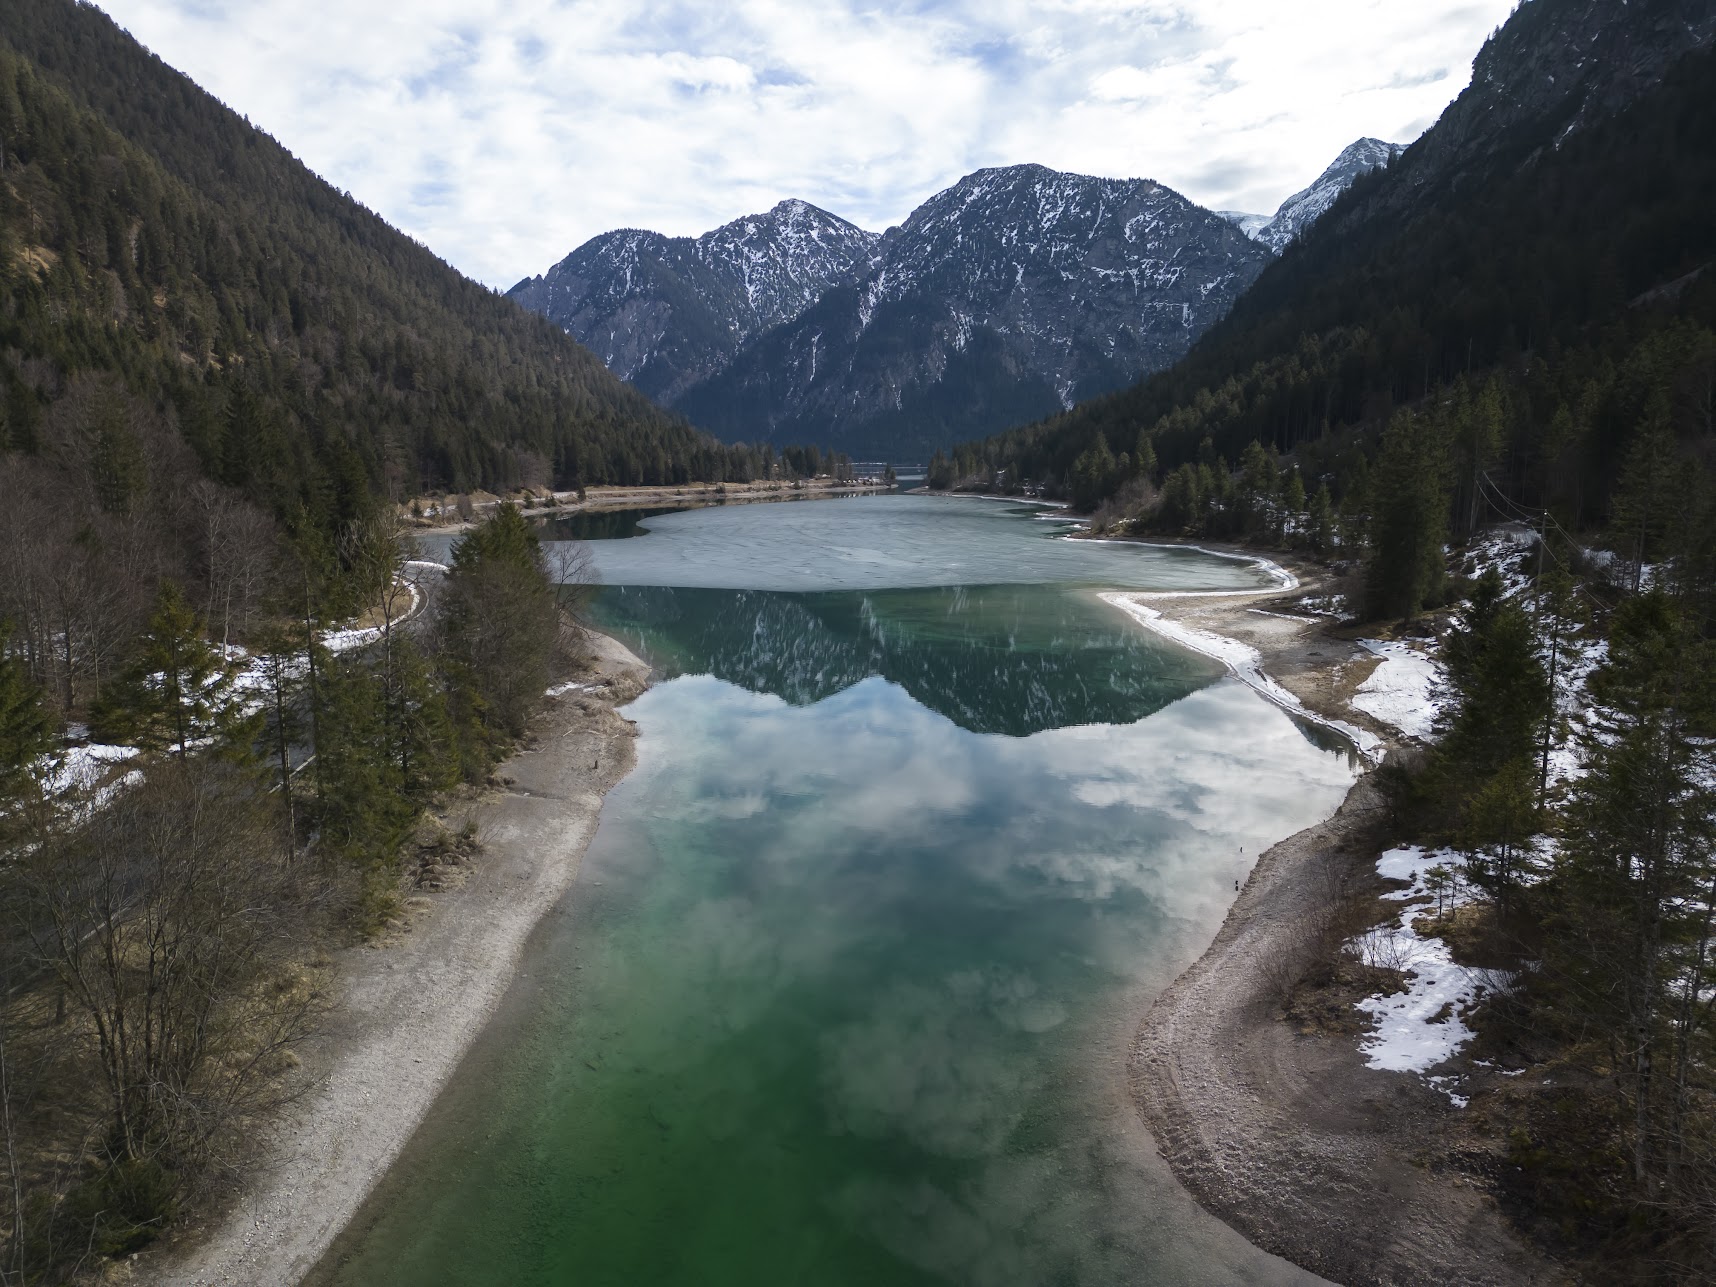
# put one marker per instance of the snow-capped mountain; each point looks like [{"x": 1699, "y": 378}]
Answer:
[
  {"x": 1303, "y": 209},
  {"x": 1249, "y": 224},
  {"x": 667, "y": 312},
  {"x": 1004, "y": 298}
]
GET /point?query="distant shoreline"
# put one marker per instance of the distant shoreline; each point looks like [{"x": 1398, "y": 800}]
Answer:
[{"x": 597, "y": 500}]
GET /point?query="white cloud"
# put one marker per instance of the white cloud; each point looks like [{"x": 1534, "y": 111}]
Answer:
[{"x": 502, "y": 133}]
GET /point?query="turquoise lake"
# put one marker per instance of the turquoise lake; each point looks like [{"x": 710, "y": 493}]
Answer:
[{"x": 845, "y": 989}]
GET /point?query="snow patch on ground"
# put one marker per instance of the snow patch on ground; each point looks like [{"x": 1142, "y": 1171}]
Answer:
[
  {"x": 1245, "y": 663},
  {"x": 1423, "y": 1026},
  {"x": 1325, "y": 605},
  {"x": 1404, "y": 691},
  {"x": 345, "y": 640},
  {"x": 1576, "y": 661},
  {"x": 1499, "y": 548},
  {"x": 81, "y": 767},
  {"x": 560, "y": 690}
]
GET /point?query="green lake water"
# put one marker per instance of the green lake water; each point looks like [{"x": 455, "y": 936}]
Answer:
[{"x": 844, "y": 991}]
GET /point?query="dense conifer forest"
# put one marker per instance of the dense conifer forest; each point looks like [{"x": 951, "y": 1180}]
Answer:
[
  {"x": 304, "y": 350},
  {"x": 1572, "y": 279}
]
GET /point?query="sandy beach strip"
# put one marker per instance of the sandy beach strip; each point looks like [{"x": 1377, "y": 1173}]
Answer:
[{"x": 406, "y": 1013}]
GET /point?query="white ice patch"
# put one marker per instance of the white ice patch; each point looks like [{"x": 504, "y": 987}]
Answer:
[
  {"x": 1402, "y": 692},
  {"x": 346, "y": 640},
  {"x": 1246, "y": 665},
  {"x": 1423, "y": 1026},
  {"x": 560, "y": 690},
  {"x": 1325, "y": 605},
  {"x": 81, "y": 767}
]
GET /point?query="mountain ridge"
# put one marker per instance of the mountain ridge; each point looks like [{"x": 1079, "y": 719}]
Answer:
[
  {"x": 666, "y": 312},
  {"x": 1015, "y": 292}
]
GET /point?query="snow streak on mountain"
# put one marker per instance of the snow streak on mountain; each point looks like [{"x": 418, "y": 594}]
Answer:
[
  {"x": 1007, "y": 297},
  {"x": 1303, "y": 209},
  {"x": 667, "y": 312}
]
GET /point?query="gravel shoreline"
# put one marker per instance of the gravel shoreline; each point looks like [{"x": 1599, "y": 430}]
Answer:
[
  {"x": 406, "y": 1014},
  {"x": 1288, "y": 1138}
]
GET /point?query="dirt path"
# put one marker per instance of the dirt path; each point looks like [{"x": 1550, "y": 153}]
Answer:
[
  {"x": 1290, "y": 1138},
  {"x": 407, "y": 1013}
]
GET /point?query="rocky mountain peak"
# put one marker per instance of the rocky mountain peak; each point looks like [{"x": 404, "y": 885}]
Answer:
[
  {"x": 1008, "y": 295},
  {"x": 667, "y": 312},
  {"x": 1305, "y": 207}
]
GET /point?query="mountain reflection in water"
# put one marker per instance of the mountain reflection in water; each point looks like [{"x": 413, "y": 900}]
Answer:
[{"x": 993, "y": 659}]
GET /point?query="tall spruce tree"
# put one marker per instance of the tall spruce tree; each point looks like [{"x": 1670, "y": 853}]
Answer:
[
  {"x": 1409, "y": 520},
  {"x": 1636, "y": 871},
  {"x": 177, "y": 692},
  {"x": 499, "y": 622},
  {"x": 1485, "y": 762}
]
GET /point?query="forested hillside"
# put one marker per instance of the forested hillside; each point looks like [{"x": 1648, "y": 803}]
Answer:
[
  {"x": 302, "y": 348},
  {"x": 1549, "y": 268}
]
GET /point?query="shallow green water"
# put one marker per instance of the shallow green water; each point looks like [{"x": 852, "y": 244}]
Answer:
[{"x": 844, "y": 991}]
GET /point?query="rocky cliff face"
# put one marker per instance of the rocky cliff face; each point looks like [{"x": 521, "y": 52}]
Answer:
[
  {"x": 1554, "y": 66},
  {"x": 667, "y": 312}
]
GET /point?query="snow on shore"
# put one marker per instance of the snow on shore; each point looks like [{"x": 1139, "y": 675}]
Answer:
[
  {"x": 1404, "y": 691},
  {"x": 1423, "y": 1026},
  {"x": 1243, "y": 661}
]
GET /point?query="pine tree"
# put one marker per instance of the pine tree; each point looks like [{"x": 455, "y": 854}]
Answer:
[
  {"x": 1498, "y": 690},
  {"x": 1645, "y": 501},
  {"x": 499, "y": 622},
  {"x": 116, "y": 463},
  {"x": 1144, "y": 458},
  {"x": 1479, "y": 424},
  {"x": 1293, "y": 505},
  {"x": 284, "y": 667},
  {"x": 1636, "y": 871},
  {"x": 1258, "y": 480},
  {"x": 26, "y": 734},
  {"x": 177, "y": 693},
  {"x": 1092, "y": 475},
  {"x": 1410, "y": 520},
  {"x": 1320, "y": 523}
]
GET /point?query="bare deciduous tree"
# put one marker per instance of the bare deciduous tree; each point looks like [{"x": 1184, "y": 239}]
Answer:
[{"x": 168, "y": 922}]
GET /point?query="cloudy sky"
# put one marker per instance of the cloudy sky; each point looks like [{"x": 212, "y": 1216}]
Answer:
[{"x": 503, "y": 133}]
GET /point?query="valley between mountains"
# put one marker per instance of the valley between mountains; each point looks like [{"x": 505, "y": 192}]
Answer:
[{"x": 1077, "y": 738}]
